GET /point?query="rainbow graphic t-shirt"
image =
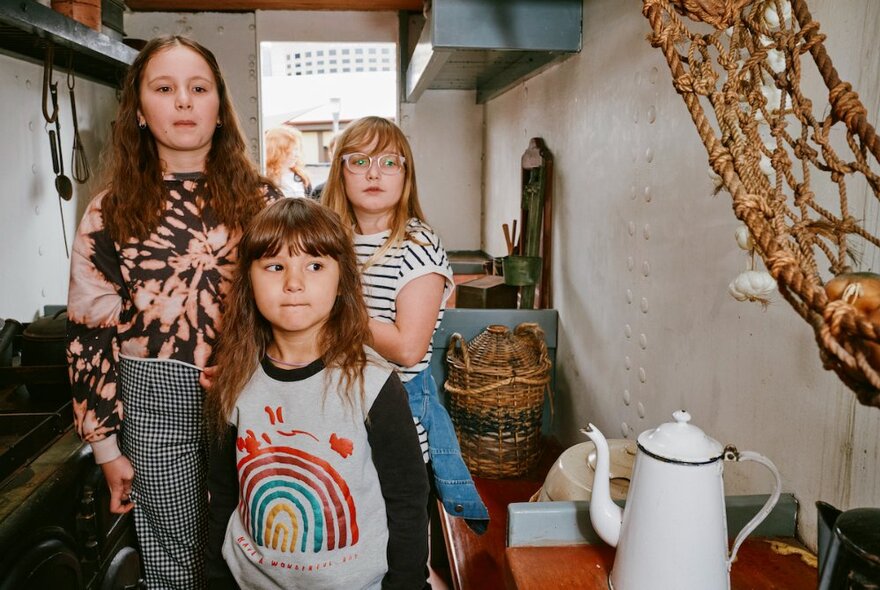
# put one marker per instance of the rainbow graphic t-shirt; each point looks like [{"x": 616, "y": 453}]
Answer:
[{"x": 311, "y": 512}]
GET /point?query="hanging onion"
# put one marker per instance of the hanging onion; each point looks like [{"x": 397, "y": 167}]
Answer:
[{"x": 862, "y": 291}]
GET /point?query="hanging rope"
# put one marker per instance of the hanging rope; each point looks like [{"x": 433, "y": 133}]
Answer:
[{"x": 739, "y": 66}]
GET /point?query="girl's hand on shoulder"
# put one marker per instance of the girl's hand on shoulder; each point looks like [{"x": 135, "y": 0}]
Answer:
[
  {"x": 119, "y": 473},
  {"x": 206, "y": 378}
]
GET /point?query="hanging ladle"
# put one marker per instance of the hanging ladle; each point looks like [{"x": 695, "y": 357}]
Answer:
[{"x": 62, "y": 182}]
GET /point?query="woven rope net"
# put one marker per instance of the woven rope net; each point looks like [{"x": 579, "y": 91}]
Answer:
[{"x": 799, "y": 169}]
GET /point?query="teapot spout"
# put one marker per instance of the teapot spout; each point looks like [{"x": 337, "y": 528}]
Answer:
[{"x": 605, "y": 516}]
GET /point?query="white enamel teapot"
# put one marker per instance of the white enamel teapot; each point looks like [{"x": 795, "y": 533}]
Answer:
[{"x": 673, "y": 531}]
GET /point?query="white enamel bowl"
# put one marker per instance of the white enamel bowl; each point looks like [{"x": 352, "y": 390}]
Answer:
[{"x": 571, "y": 477}]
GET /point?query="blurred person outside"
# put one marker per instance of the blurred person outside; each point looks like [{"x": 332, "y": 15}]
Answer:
[{"x": 284, "y": 165}]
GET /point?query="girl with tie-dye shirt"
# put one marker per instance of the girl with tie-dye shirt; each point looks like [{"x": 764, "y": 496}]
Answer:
[{"x": 149, "y": 272}]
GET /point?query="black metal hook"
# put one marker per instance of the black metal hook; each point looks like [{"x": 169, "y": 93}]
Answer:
[
  {"x": 71, "y": 77},
  {"x": 48, "y": 84}
]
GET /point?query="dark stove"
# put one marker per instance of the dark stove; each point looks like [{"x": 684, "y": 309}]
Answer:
[
  {"x": 56, "y": 529},
  {"x": 27, "y": 427}
]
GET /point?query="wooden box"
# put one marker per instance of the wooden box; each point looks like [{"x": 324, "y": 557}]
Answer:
[
  {"x": 488, "y": 292},
  {"x": 88, "y": 12}
]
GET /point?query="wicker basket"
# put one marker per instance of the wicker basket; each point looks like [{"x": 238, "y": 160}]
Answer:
[{"x": 496, "y": 387}]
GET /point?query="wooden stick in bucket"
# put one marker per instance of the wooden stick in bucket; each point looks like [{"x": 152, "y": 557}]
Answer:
[{"x": 507, "y": 238}]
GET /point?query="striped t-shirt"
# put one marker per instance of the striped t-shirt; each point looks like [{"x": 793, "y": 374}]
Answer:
[{"x": 420, "y": 254}]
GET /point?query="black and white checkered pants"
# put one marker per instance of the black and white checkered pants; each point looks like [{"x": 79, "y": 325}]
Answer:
[{"x": 163, "y": 435}]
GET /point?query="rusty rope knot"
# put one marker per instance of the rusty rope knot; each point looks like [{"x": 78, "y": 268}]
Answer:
[
  {"x": 718, "y": 13},
  {"x": 846, "y": 104}
]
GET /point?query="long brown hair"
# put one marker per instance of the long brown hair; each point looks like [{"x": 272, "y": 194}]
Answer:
[
  {"x": 389, "y": 139},
  {"x": 280, "y": 141},
  {"x": 134, "y": 201},
  {"x": 307, "y": 227}
]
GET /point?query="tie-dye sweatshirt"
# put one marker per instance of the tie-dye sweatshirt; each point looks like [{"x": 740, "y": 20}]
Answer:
[{"x": 161, "y": 297}]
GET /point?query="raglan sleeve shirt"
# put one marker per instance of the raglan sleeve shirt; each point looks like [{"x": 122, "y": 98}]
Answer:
[
  {"x": 403, "y": 479},
  {"x": 223, "y": 497},
  {"x": 95, "y": 304}
]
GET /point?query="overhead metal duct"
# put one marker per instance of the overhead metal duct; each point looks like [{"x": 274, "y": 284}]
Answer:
[{"x": 490, "y": 45}]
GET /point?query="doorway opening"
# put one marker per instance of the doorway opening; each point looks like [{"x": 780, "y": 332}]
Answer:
[{"x": 319, "y": 88}]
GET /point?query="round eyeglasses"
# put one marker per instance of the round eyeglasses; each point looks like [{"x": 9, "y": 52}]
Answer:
[{"x": 388, "y": 164}]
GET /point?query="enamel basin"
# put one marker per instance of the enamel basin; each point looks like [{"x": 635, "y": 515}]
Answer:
[{"x": 571, "y": 477}]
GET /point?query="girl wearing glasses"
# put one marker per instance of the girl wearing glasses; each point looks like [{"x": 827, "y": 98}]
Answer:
[{"x": 406, "y": 281}]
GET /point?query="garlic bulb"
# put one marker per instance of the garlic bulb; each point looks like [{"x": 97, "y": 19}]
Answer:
[
  {"x": 776, "y": 60},
  {"x": 753, "y": 285},
  {"x": 766, "y": 165},
  {"x": 772, "y": 95},
  {"x": 744, "y": 238},
  {"x": 771, "y": 15}
]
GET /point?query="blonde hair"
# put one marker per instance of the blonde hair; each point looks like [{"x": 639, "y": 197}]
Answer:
[
  {"x": 280, "y": 143},
  {"x": 303, "y": 226},
  {"x": 331, "y": 145},
  {"x": 388, "y": 138}
]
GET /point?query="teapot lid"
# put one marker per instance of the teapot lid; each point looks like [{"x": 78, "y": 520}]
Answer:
[{"x": 680, "y": 442}]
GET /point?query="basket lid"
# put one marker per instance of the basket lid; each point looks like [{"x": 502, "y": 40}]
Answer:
[{"x": 497, "y": 346}]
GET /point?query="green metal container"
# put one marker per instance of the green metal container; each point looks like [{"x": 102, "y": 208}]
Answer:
[{"x": 521, "y": 271}]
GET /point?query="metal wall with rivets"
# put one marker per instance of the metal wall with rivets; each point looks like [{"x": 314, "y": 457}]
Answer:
[
  {"x": 643, "y": 255},
  {"x": 33, "y": 260}
]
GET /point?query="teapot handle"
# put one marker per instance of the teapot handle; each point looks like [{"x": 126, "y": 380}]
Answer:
[{"x": 731, "y": 454}]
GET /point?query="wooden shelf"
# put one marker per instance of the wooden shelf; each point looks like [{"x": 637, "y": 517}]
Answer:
[{"x": 27, "y": 28}]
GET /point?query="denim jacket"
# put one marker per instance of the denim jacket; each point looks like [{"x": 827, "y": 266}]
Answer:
[{"x": 453, "y": 481}]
